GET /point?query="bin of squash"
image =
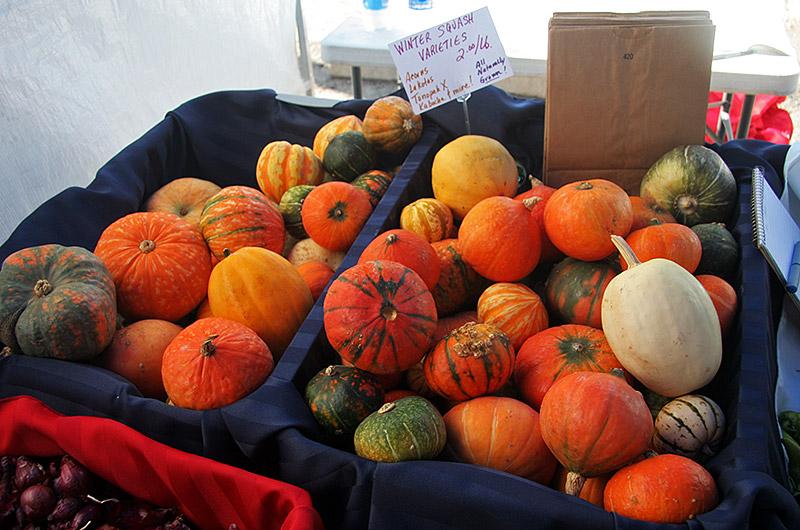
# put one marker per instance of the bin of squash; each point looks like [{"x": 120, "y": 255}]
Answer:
[{"x": 182, "y": 250}]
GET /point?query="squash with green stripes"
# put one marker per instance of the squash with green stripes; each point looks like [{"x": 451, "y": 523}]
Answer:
[
  {"x": 291, "y": 207},
  {"x": 692, "y": 426},
  {"x": 375, "y": 182}
]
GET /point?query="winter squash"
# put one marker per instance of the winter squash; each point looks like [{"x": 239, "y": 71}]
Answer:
[
  {"x": 449, "y": 323},
  {"x": 646, "y": 213},
  {"x": 348, "y": 122},
  {"x": 471, "y": 168},
  {"x": 160, "y": 265},
  {"x": 672, "y": 241},
  {"x": 501, "y": 259},
  {"x": 415, "y": 381},
  {"x": 391, "y": 126},
  {"x": 241, "y": 216},
  {"x": 428, "y": 217},
  {"x": 535, "y": 200},
  {"x": 720, "y": 255},
  {"x": 316, "y": 275},
  {"x": 410, "y": 428},
  {"x": 556, "y": 352},
  {"x": 262, "y": 290},
  {"x": 592, "y": 490},
  {"x": 398, "y": 393},
  {"x": 724, "y": 298},
  {"x": 185, "y": 197},
  {"x": 334, "y": 214},
  {"x": 580, "y": 216},
  {"x": 348, "y": 155},
  {"x": 379, "y": 316},
  {"x": 514, "y": 308},
  {"x": 458, "y": 282},
  {"x": 203, "y": 310},
  {"x": 307, "y": 250},
  {"x": 56, "y": 301},
  {"x": 290, "y": 206},
  {"x": 340, "y": 397},
  {"x": 594, "y": 423},
  {"x": 375, "y": 182},
  {"x": 474, "y": 360},
  {"x": 282, "y": 165},
  {"x": 661, "y": 489},
  {"x": 693, "y": 183},
  {"x": 214, "y": 362},
  {"x": 500, "y": 433},
  {"x": 407, "y": 248},
  {"x": 136, "y": 352},
  {"x": 662, "y": 325},
  {"x": 574, "y": 289},
  {"x": 692, "y": 426}
]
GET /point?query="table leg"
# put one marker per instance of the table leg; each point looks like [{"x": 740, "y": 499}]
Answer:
[
  {"x": 355, "y": 78},
  {"x": 745, "y": 115}
]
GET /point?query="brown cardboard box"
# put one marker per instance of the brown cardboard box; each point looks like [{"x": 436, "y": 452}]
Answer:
[{"x": 622, "y": 90}]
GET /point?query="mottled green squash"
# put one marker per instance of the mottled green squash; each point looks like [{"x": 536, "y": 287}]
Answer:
[
  {"x": 575, "y": 288},
  {"x": 720, "y": 255},
  {"x": 348, "y": 155},
  {"x": 375, "y": 182},
  {"x": 291, "y": 206}
]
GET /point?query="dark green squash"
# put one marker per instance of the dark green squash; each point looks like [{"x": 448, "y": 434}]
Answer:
[
  {"x": 340, "y": 397},
  {"x": 574, "y": 290},
  {"x": 693, "y": 183},
  {"x": 291, "y": 206},
  {"x": 348, "y": 155},
  {"x": 720, "y": 250},
  {"x": 375, "y": 182},
  {"x": 58, "y": 302},
  {"x": 411, "y": 428}
]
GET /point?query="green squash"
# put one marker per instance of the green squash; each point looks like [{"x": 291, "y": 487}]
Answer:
[
  {"x": 291, "y": 206},
  {"x": 720, "y": 251},
  {"x": 375, "y": 182},
  {"x": 693, "y": 183},
  {"x": 574, "y": 289},
  {"x": 348, "y": 155},
  {"x": 410, "y": 428}
]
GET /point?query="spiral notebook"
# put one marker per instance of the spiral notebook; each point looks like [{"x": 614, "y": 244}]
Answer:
[{"x": 775, "y": 233}]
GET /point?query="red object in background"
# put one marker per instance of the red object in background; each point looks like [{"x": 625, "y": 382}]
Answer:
[
  {"x": 768, "y": 122},
  {"x": 213, "y": 495}
]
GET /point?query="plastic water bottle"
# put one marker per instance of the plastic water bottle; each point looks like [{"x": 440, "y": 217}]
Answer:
[
  {"x": 376, "y": 16},
  {"x": 420, "y": 4}
]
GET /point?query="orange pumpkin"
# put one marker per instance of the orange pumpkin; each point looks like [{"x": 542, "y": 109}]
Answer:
[
  {"x": 325, "y": 134},
  {"x": 160, "y": 265},
  {"x": 592, "y": 490},
  {"x": 203, "y": 310},
  {"x": 535, "y": 200},
  {"x": 672, "y": 241},
  {"x": 646, "y": 213},
  {"x": 185, "y": 197},
  {"x": 241, "y": 216},
  {"x": 428, "y": 217},
  {"x": 283, "y": 165},
  {"x": 316, "y": 275},
  {"x": 724, "y": 298},
  {"x": 262, "y": 290},
  {"x": 458, "y": 282},
  {"x": 408, "y": 248},
  {"x": 334, "y": 214},
  {"x": 515, "y": 308},
  {"x": 501, "y": 259},
  {"x": 214, "y": 362},
  {"x": 391, "y": 126},
  {"x": 449, "y": 323},
  {"x": 580, "y": 217},
  {"x": 500, "y": 433}
]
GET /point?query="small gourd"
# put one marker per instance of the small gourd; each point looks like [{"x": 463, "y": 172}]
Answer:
[
  {"x": 662, "y": 325},
  {"x": 690, "y": 426}
]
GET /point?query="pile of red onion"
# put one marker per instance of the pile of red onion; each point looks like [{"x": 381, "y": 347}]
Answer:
[{"x": 61, "y": 494}]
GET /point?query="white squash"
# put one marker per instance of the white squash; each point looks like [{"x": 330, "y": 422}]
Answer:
[
  {"x": 690, "y": 426},
  {"x": 661, "y": 324}
]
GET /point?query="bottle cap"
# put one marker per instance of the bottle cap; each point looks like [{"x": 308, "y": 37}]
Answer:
[{"x": 375, "y": 4}]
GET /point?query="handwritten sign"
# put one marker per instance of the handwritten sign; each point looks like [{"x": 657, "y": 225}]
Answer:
[{"x": 450, "y": 60}]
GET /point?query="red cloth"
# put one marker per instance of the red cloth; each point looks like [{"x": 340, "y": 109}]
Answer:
[
  {"x": 767, "y": 122},
  {"x": 213, "y": 495}
]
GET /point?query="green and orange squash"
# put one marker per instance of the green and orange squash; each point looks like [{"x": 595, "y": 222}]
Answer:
[
  {"x": 458, "y": 282},
  {"x": 348, "y": 122},
  {"x": 375, "y": 182},
  {"x": 574, "y": 289},
  {"x": 291, "y": 207}
]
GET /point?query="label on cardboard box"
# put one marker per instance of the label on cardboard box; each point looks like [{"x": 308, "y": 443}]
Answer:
[{"x": 450, "y": 60}]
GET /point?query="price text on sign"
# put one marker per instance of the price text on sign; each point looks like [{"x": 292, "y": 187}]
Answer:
[{"x": 450, "y": 60}]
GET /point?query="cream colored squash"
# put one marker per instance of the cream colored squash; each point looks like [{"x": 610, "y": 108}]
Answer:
[
  {"x": 661, "y": 324},
  {"x": 692, "y": 426}
]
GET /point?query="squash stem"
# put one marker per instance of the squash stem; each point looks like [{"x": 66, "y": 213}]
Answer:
[
  {"x": 207, "y": 349},
  {"x": 42, "y": 288},
  {"x": 574, "y": 483},
  {"x": 625, "y": 250}
]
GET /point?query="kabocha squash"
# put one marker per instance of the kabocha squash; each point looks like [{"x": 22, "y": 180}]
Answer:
[
  {"x": 720, "y": 255},
  {"x": 646, "y": 213},
  {"x": 325, "y": 134},
  {"x": 316, "y": 275},
  {"x": 379, "y": 316},
  {"x": 594, "y": 423},
  {"x": 471, "y": 168},
  {"x": 724, "y": 298},
  {"x": 428, "y": 217},
  {"x": 474, "y": 360},
  {"x": 185, "y": 197},
  {"x": 340, "y": 397},
  {"x": 291, "y": 206},
  {"x": 500, "y": 433},
  {"x": 501, "y": 259},
  {"x": 535, "y": 200},
  {"x": 282, "y": 165},
  {"x": 262, "y": 290},
  {"x": 690, "y": 426},
  {"x": 407, "y": 248},
  {"x": 556, "y": 352},
  {"x": 375, "y": 182},
  {"x": 391, "y": 126},
  {"x": 693, "y": 183},
  {"x": 672, "y": 241},
  {"x": 579, "y": 217},
  {"x": 515, "y": 308},
  {"x": 448, "y": 324},
  {"x": 348, "y": 155},
  {"x": 58, "y": 302},
  {"x": 662, "y": 325},
  {"x": 214, "y": 362},
  {"x": 334, "y": 214},
  {"x": 458, "y": 282},
  {"x": 574, "y": 289},
  {"x": 160, "y": 265},
  {"x": 241, "y": 216},
  {"x": 410, "y": 428},
  {"x": 592, "y": 490},
  {"x": 661, "y": 489}
]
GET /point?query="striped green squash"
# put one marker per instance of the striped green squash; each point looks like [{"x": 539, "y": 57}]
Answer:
[
  {"x": 692, "y": 426},
  {"x": 720, "y": 255},
  {"x": 574, "y": 290},
  {"x": 410, "y": 428},
  {"x": 291, "y": 206},
  {"x": 375, "y": 182},
  {"x": 348, "y": 155}
]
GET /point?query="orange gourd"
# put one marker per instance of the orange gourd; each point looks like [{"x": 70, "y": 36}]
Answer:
[
  {"x": 391, "y": 126},
  {"x": 283, "y": 165},
  {"x": 515, "y": 308},
  {"x": 672, "y": 241},
  {"x": 535, "y": 200},
  {"x": 724, "y": 298},
  {"x": 334, "y": 214},
  {"x": 316, "y": 275},
  {"x": 408, "y": 248},
  {"x": 458, "y": 282},
  {"x": 646, "y": 213}
]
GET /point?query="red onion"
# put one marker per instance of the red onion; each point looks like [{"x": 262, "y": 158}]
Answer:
[
  {"x": 37, "y": 501},
  {"x": 66, "y": 508},
  {"x": 88, "y": 517},
  {"x": 28, "y": 473},
  {"x": 74, "y": 478}
]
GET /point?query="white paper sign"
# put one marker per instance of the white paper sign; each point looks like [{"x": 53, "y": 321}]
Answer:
[{"x": 450, "y": 60}]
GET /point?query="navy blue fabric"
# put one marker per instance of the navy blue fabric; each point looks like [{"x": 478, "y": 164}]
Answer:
[{"x": 219, "y": 137}]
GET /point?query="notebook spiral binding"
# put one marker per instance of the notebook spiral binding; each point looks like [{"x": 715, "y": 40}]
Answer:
[{"x": 756, "y": 201}]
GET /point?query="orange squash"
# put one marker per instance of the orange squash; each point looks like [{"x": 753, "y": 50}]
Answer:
[
  {"x": 185, "y": 197},
  {"x": 428, "y": 217},
  {"x": 283, "y": 165},
  {"x": 316, "y": 275},
  {"x": 458, "y": 283},
  {"x": 535, "y": 200},
  {"x": 646, "y": 213},
  {"x": 408, "y": 248},
  {"x": 672, "y": 241},
  {"x": 724, "y": 298},
  {"x": 334, "y": 214},
  {"x": 515, "y": 308},
  {"x": 391, "y": 126},
  {"x": 592, "y": 490},
  {"x": 325, "y": 134}
]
